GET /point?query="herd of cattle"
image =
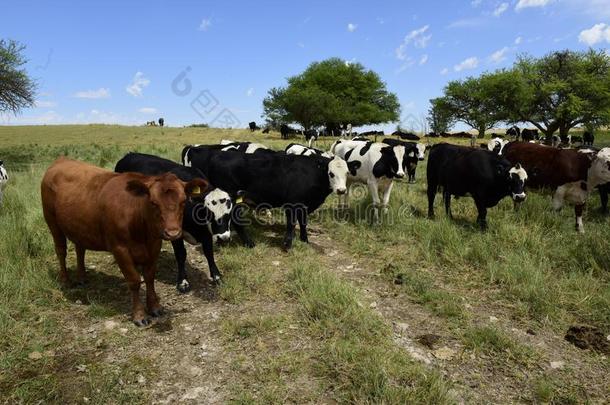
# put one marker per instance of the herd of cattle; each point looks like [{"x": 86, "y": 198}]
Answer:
[{"x": 203, "y": 198}]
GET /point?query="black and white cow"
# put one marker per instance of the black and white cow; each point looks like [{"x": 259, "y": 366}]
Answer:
[
  {"x": 378, "y": 165},
  {"x": 297, "y": 149},
  {"x": 460, "y": 170},
  {"x": 243, "y": 147},
  {"x": 529, "y": 135},
  {"x": 311, "y": 136},
  {"x": 3, "y": 179},
  {"x": 514, "y": 132},
  {"x": 206, "y": 219},
  {"x": 414, "y": 152},
  {"x": 298, "y": 184},
  {"x": 496, "y": 145}
]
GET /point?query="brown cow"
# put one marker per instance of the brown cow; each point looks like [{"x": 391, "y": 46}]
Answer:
[
  {"x": 569, "y": 174},
  {"x": 126, "y": 214}
]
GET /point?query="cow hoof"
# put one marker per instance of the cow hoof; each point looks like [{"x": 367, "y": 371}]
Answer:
[
  {"x": 183, "y": 287},
  {"x": 249, "y": 244},
  {"x": 141, "y": 323},
  {"x": 157, "y": 312}
]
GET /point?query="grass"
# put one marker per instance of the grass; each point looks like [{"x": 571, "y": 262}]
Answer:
[{"x": 297, "y": 330}]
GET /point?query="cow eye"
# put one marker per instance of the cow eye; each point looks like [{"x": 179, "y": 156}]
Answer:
[{"x": 331, "y": 174}]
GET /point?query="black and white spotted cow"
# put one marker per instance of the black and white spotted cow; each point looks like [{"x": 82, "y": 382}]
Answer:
[
  {"x": 3, "y": 179},
  {"x": 243, "y": 147},
  {"x": 496, "y": 145},
  {"x": 379, "y": 165},
  {"x": 206, "y": 219},
  {"x": 414, "y": 152},
  {"x": 311, "y": 136},
  {"x": 297, "y": 149},
  {"x": 297, "y": 184}
]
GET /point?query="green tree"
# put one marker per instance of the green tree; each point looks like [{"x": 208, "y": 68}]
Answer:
[
  {"x": 332, "y": 91},
  {"x": 17, "y": 90},
  {"x": 440, "y": 115},
  {"x": 470, "y": 101},
  {"x": 558, "y": 91}
]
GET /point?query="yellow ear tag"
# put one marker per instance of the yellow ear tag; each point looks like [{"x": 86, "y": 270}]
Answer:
[
  {"x": 196, "y": 190},
  {"x": 239, "y": 200}
]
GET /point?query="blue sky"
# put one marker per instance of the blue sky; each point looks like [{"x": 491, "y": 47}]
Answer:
[{"x": 121, "y": 61}]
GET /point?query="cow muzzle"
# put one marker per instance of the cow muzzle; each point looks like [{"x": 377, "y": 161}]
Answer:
[
  {"x": 222, "y": 237},
  {"x": 519, "y": 197},
  {"x": 399, "y": 175},
  {"x": 172, "y": 234},
  {"x": 341, "y": 191}
]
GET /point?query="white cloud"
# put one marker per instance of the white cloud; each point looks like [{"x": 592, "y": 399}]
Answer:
[
  {"x": 597, "y": 33},
  {"x": 250, "y": 92},
  {"x": 137, "y": 85},
  {"x": 502, "y": 7},
  {"x": 93, "y": 94},
  {"x": 45, "y": 104},
  {"x": 147, "y": 110},
  {"x": 521, "y": 4},
  {"x": 206, "y": 23},
  {"x": 423, "y": 59},
  {"x": 408, "y": 62},
  {"x": 300, "y": 45},
  {"x": 518, "y": 40},
  {"x": 417, "y": 37},
  {"x": 48, "y": 117},
  {"x": 380, "y": 20},
  {"x": 466, "y": 64},
  {"x": 476, "y": 3},
  {"x": 499, "y": 55},
  {"x": 409, "y": 106},
  {"x": 351, "y": 27},
  {"x": 444, "y": 71},
  {"x": 467, "y": 23}
]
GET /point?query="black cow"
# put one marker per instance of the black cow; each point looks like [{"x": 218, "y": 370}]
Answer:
[
  {"x": 406, "y": 135},
  {"x": 286, "y": 131},
  {"x": 206, "y": 219},
  {"x": 266, "y": 130},
  {"x": 298, "y": 184},
  {"x": 161, "y": 122},
  {"x": 311, "y": 135},
  {"x": 514, "y": 132},
  {"x": 588, "y": 138},
  {"x": 252, "y": 126},
  {"x": 414, "y": 152},
  {"x": 529, "y": 135},
  {"x": 460, "y": 170}
]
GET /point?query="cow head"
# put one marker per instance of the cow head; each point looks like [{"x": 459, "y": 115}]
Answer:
[
  {"x": 599, "y": 172},
  {"x": 421, "y": 151},
  {"x": 516, "y": 179},
  {"x": 219, "y": 206},
  {"x": 337, "y": 174},
  {"x": 166, "y": 195},
  {"x": 399, "y": 156}
]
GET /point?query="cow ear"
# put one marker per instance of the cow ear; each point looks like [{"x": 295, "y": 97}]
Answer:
[
  {"x": 137, "y": 188},
  {"x": 518, "y": 166},
  {"x": 196, "y": 187},
  {"x": 353, "y": 166}
]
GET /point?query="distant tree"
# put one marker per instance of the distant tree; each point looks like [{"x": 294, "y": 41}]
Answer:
[
  {"x": 332, "y": 91},
  {"x": 17, "y": 90},
  {"x": 440, "y": 116},
  {"x": 558, "y": 91},
  {"x": 470, "y": 101}
]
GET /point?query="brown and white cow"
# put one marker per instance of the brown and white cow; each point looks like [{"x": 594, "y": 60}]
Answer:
[
  {"x": 569, "y": 174},
  {"x": 127, "y": 214}
]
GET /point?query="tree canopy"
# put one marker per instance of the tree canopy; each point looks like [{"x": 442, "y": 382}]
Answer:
[
  {"x": 17, "y": 90},
  {"x": 332, "y": 92},
  {"x": 440, "y": 115}
]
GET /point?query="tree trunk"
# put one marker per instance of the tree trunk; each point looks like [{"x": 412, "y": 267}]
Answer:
[
  {"x": 481, "y": 132},
  {"x": 564, "y": 129}
]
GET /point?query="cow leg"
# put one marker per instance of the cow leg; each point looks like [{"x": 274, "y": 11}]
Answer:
[
  {"x": 182, "y": 283},
  {"x": 290, "y": 225},
  {"x": 152, "y": 300},
  {"x": 208, "y": 250},
  {"x": 447, "y": 201},
  {"x": 123, "y": 259},
  {"x": 411, "y": 174},
  {"x": 310, "y": 142},
  {"x": 81, "y": 277},
  {"x": 374, "y": 190},
  {"x": 61, "y": 248},
  {"x": 482, "y": 218},
  {"x": 578, "y": 209},
  {"x": 240, "y": 228},
  {"x": 386, "y": 197},
  {"x": 431, "y": 196},
  {"x": 603, "y": 196},
  {"x": 302, "y": 219}
]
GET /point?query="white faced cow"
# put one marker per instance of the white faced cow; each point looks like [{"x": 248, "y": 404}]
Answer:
[
  {"x": 379, "y": 165},
  {"x": 496, "y": 145},
  {"x": 3, "y": 178}
]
